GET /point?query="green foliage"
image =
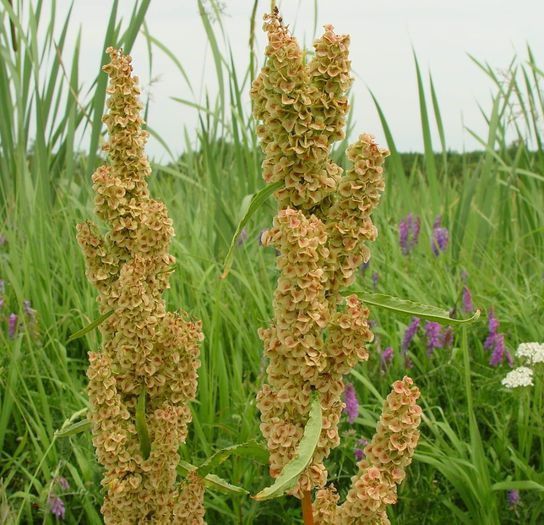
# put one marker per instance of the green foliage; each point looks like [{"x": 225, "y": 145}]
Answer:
[
  {"x": 478, "y": 441},
  {"x": 303, "y": 456}
]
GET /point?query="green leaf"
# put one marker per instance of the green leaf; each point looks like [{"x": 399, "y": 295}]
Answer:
[
  {"x": 518, "y": 485},
  {"x": 141, "y": 426},
  {"x": 251, "y": 448},
  {"x": 89, "y": 327},
  {"x": 69, "y": 428},
  {"x": 211, "y": 480},
  {"x": 75, "y": 428},
  {"x": 250, "y": 205},
  {"x": 305, "y": 451},
  {"x": 405, "y": 306}
]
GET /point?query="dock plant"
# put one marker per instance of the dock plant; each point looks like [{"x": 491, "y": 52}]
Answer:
[
  {"x": 145, "y": 374},
  {"x": 318, "y": 333}
]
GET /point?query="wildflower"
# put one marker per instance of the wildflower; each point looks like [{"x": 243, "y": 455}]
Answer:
[
  {"x": 12, "y": 325},
  {"x": 322, "y": 228},
  {"x": 386, "y": 357},
  {"x": 146, "y": 351},
  {"x": 468, "y": 305},
  {"x": 409, "y": 334},
  {"x": 352, "y": 404},
  {"x": 519, "y": 377},
  {"x": 433, "y": 333},
  {"x": 62, "y": 482},
  {"x": 387, "y": 456},
  {"x": 440, "y": 237},
  {"x": 532, "y": 353},
  {"x": 513, "y": 498},
  {"x": 375, "y": 279},
  {"x": 56, "y": 506},
  {"x": 359, "y": 452},
  {"x": 496, "y": 343},
  {"x": 409, "y": 228}
]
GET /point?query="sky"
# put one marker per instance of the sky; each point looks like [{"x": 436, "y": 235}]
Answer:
[{"x": 384, "y": 36}]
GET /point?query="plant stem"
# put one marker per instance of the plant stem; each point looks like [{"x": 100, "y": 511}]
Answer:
[{"x": 307, "y": 513}]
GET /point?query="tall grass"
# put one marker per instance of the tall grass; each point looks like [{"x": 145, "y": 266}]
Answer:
[{"x": 478, "y": 439}]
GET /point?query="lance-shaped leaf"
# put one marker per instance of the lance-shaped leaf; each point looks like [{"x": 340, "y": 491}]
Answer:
[
  {"x": 211, "y": 480},
  {"x": 250, "y": 205},
  {"x": 251, "y": 448},
  {"x": 89, "y": 327},
  {"x": 405, "y": 306},
  {"x": 303, "y": 456},
  {"x": 141, "y": 426},
  {"x": 71, "y": 427}
]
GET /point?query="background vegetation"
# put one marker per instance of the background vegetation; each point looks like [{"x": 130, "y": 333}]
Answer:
[{"x": 479, "y": 440}]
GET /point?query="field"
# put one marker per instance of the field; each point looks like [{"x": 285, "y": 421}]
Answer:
[{"x": 480, "y": 458}]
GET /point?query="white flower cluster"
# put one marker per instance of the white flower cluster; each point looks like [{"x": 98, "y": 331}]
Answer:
[
  {"x": 531, "y": 353},
  {"x": 521, "y": 376}
]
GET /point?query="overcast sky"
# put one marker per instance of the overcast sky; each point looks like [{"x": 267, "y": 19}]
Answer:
[{"x": 383, "y": 34}]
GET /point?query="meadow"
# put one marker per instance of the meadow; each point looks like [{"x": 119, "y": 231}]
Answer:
[{"x": 480, "y": 459}]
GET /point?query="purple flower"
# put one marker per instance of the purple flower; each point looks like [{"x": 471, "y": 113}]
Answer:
[
  {"x": 512, "y": 496},
  {"x": 409, "y": 334},
  {"x": 409, "y": 228},
  {"x": 62, "y": 482},
  {"x": 375, "y": 279},
  {"x": 499, "y": 353},
  {"x": 386, "y": 357},
  {"x": 495, "y": 342},
  {"x": 56, "y": 506},
  {"x": 468, "y": 305},
  {"x": 1, "y": 303},
  {"x": 12, "y": 325},
  {"x": 359, "y": 450},
  {"x": 433, "y": 333},
  {"x": 352, "y": 404},
  {"x": 440, "y": 237}
]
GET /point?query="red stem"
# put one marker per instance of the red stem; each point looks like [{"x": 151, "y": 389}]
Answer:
[{"x": 307, "y": 511}]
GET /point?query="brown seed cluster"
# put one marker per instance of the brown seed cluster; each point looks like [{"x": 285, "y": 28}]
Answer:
[
  {"x": 320, "y": 233},
  {"x": 383, "y": 467},
  {"x": 145, "y": 348}
]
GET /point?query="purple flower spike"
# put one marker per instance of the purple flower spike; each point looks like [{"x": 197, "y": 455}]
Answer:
[
  {"x": 359, "y": 451},
  {"x": 513, "y": 498},
  {"x": 12, "y": 325},
  {"x": 386, "y": 357},
  {"x": 433, "y": 333},
  {"x": 375, "y": 280},
  {"x": 440, "y": 237},
  {"x": 499, "y": 351},
  {"x": 409, "y": 228},
  {"x": 468, "y": 305},
  {"x": 364, "y": 267},
  {"x": 62, "y": 482},
  {"x": 352, "y": 404},
  {"x": 56, "y": 506},
  {"x": 410, "y": 334}
]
